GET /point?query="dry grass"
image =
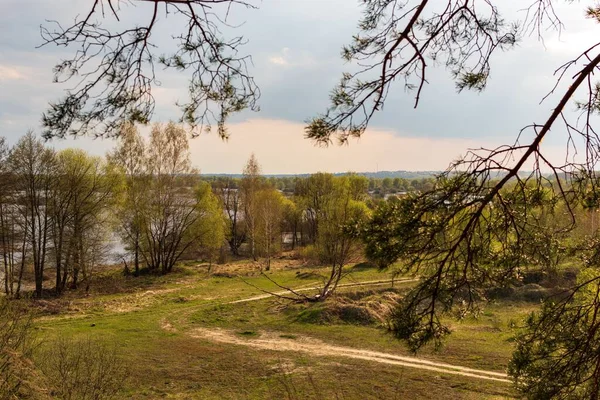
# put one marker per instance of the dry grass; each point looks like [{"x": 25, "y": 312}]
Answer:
[{"x": 365, "y": 307}]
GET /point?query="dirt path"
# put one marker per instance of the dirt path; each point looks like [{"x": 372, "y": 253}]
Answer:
[
  {"x": 274, "y": 341},
  {"x": 313, "y": 287}
]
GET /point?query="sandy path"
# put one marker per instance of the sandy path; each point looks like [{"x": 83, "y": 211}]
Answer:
[{"x": 275, "y": 342}]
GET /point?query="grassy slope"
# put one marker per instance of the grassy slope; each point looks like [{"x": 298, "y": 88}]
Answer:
[{"x": 132, "y": 313}]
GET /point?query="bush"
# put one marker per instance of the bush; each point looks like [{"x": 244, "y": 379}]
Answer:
[
  {"x": 18, "y": 376},
  {"x": 82, "y": 369},
  {"x": 309, "y": 255}
]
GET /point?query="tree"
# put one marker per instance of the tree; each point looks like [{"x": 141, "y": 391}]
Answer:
[
  {"x": 382, "y": 232},
  {"x": 313, "y": 193},
  {"x": 34, "y": 169},
  {"x": 250, "y": 186},
  {"x": 130, "y": 156},
  {"x": 209, "y": 230},
  {"x": 336, "y": 209},
  {"x": 386, "y": 184},
  {"x": 85, "y": 191},
  {"x": 359, "y": 186},
  {"x": 335, "y": 243},
  {"x": 176, "y": 218},
  {"x": 270, "y": 208},
  {"x": 470, "y": 232},
  {"x": 12, "y": 237},
  {"x": 230, "y": 196},
  {"x": 292, "y": 219}
]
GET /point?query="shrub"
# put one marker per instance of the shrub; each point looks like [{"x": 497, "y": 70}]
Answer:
[
  {"x": 82, "y": 369},
  {"x": 18, "y": 375}
]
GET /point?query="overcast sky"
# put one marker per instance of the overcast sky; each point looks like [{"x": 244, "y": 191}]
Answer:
[{"x": 295, "y": 46}]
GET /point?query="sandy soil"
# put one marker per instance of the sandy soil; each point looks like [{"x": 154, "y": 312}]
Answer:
[{"x": 274, "y": 341}]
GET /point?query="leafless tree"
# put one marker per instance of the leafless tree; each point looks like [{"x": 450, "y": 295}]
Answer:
[
  {"x": 250, "y": 186},
  {"x": 230, "y": 196}
]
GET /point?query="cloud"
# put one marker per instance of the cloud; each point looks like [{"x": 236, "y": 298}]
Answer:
[
  {"x": 10, "y": 73},
  {"x": 282, "y": 58},
  {"x": 287, "y": 58},
  {"x": 280, "y": 147},
  {"x": 278, "y": 60}
]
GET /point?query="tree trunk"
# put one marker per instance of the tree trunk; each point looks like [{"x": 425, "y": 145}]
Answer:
[
  {"x": 137, "y": 253},
  {"x": 59, "y": 262}
]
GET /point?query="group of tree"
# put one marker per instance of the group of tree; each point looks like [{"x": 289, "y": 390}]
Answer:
[
  {"x": 161, "y": 217},
  {"x": 54, "y": 213},
  {"x": 316, "y": 215},
  {"x": 256, "y": 212},
  {"x": 59, "y": 210},
  {"x": 378, "y": 187}
]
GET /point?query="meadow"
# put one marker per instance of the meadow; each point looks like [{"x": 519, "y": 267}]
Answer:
[{"x": 194, "y": 334}]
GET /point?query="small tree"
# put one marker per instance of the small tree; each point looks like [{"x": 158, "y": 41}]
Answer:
[
  {"x": 336, "y": 244},
  {"x": 230, "y": 196},
  {"x": 209, "y": 230},
  {"x": 292, "y": 219},
  {"x": 250, "y": 186},
  {"x": 270, "y": 207},
  {"x": 336, "y": 211},
  {"x": 82, "y": 369},
  {"x": 313, "y": 194},
  {"x": 129, "y": 155}
]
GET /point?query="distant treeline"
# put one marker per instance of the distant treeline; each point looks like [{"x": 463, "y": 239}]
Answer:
[
  {"x": 377, "y": 175},
  {"x": 377, "y": 187}
]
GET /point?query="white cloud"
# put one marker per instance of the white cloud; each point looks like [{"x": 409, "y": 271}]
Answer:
[
  {"x": 11, "y": 73},
  {"x": 280, "y": 147},
  {"x": 282, "y": 58},
  {"x": 278, "y": 60},
  {"x": 572, "y": 43},
  {"x": 287, "y": 58}
]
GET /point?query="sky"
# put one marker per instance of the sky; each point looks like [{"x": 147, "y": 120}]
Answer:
[{"x": 295, "y": 47}]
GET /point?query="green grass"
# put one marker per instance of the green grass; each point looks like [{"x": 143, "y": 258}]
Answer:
[{"x": 168, "y": 362}]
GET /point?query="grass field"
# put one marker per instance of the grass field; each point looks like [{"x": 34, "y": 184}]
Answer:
[{"x": 154, "y": 323}]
